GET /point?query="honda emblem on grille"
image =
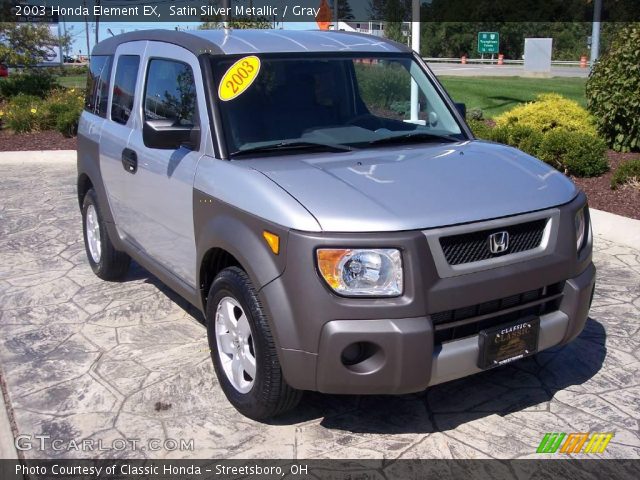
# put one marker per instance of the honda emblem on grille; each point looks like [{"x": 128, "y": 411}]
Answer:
[{"x": 499, "y": 242}]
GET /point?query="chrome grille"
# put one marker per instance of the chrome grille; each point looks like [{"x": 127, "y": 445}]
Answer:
[{"x": 474, "y": 246}]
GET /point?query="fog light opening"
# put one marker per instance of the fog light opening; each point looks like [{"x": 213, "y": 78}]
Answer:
[{"x": 362, "y": 357}]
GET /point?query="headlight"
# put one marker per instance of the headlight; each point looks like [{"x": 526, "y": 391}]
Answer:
[
  {"x": 581, "y": 228},
  {"x": 374, "y": 272}
]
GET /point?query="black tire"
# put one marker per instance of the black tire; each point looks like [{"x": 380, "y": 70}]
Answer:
[
  {"x": 270, "y": 395},
  {"x": 113, "y": 264}
]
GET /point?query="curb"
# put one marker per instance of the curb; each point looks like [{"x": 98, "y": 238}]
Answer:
[
  {"x": 8, "y": 449},
  {"x": 37, "y": 156},
  {"x": 616, "y": 228}
]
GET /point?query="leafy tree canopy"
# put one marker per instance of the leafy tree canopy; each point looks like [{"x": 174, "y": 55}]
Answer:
[
  {"x": 237, "y": 23},
  {"x": 27, "y": 44}
]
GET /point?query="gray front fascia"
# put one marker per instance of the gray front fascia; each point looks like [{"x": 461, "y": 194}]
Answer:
[{"x": 302, "y": 305}]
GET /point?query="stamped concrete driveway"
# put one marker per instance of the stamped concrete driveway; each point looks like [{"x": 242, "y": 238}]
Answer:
[{"x": 86, "y": 359}]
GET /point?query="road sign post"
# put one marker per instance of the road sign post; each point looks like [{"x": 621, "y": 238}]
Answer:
[{"x": 488, "y": 42}]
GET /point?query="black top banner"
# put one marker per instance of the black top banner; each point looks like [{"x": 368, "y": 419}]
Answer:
[{"x": 351, "y": 11}]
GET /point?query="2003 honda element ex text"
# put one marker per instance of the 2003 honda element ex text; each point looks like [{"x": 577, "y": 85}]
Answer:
[{"x": 321, "y": 199}]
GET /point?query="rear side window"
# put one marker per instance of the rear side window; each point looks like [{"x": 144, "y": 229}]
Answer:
[
  {"x": 98, "y": 85},
  {"x": 124, "y": 88},
  {"x": 170, "y": 93}
]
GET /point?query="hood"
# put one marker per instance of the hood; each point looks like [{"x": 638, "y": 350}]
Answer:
[{"x": 418, "y": 186}]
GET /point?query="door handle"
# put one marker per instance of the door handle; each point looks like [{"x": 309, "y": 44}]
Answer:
[{"x": 129, "y": 160}]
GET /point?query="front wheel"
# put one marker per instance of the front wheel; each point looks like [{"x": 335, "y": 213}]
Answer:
[{"x": 242, "y": 349}]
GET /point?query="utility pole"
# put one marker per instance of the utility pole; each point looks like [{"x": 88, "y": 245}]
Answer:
[
  {"x": 595, "y": 32},
  {"x": 97, "y": 24},
  {"x": 86, "y": 29},
  {"x": 415, "y": 45},
  {"x": 225, "y": 18},
  {"x": 335, "y": 14},
  {"x": 60, "y": 52}
]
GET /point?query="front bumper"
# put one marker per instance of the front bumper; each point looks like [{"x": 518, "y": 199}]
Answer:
[{"x": 313, "y": 326}]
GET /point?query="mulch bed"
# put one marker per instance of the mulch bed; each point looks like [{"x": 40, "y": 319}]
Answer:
[
  {"x": 625, "y": 201},
  {"x": 49, "y": 140}
]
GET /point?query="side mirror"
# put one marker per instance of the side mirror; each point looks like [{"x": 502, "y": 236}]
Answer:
[
  {"x": 165, "y": 135},
  {"x": 462, "y": 109}
]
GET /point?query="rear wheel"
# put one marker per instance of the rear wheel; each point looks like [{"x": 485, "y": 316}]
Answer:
[
  {"x": 106, "y": 262},
  {"x": 242, "y": 349}
]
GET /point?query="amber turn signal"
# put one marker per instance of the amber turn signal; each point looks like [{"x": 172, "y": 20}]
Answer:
[
  {"x": 328, "y": 263},
  {"x": 273, "y": 241}
]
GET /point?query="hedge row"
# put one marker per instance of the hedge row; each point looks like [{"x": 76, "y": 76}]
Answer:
[
  {"x": 59, "y": 111},
  {"x": 36, "y": 84}
]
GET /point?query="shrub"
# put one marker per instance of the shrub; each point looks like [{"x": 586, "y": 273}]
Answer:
[
  {"x": 531, "y": 144},
  {"x": 37, "y": 84},
  {"x": 401, "y": 108},
  {"x": 62, "y": 111},
  {"x": 475, "y": 114},
  {"x": 22, "y": 113},
  {"x": 68, "y": 70},
  {"x": 499, "y": 134},
  {"x": 626, "y": 173},
  {"x": 525, "y": 138},
  {"x": 548, "y": 112},
  {"x": 480, "y": 128},
  {"x": 613, "y": 91},
  {"x": 380, "y": 87},
  {"x": 574, "y": 153}
]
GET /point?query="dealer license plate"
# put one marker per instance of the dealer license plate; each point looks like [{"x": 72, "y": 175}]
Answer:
[{"x": 506, "y": 343}]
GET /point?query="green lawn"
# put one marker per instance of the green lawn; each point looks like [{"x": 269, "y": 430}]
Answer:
[
  {"x": 495, "y": 95},
  {"x": 73, "y": 81}
]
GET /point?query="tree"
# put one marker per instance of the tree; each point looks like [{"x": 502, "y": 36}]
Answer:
[
  {"x": 26, "y": 44},
  {"x": 613, "y": 91},
  {"x": 237, "y": 24},
  {"x": 344, "y": 10},
  {"x": 393, "y": 13},
  {"x": 390, "y": 10}
]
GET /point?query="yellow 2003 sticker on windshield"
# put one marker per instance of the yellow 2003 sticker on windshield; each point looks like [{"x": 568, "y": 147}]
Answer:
[{"x": 238, "y": 78}]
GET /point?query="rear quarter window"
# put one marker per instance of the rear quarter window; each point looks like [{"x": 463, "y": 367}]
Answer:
[{"x": 98, "y": 85}]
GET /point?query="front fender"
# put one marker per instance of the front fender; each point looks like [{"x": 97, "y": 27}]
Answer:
[{"x": 219, "y": 225}]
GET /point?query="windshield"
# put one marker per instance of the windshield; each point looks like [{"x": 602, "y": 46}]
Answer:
[{"x": 287, "y": 103}]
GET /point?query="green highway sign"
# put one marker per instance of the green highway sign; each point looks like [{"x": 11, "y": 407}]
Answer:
[{"x": 488, "y": 42}]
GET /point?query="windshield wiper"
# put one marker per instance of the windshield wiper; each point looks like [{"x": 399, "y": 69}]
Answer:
[
  {"x": 326, "y": 147},
  {"x": 414, "y": 137}
]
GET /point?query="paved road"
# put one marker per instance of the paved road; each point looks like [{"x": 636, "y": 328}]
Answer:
[
  {"x": 478, "y": 70},
  {"x": 86, "y": 359}
]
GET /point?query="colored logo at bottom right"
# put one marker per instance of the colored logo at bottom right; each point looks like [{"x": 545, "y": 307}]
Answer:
[{"x": 583, "y": 442}]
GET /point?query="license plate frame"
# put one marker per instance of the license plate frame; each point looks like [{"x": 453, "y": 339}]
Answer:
[{"x": 519, "y": 340}]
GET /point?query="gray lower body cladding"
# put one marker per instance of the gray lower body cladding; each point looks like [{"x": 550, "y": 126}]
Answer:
[{"x": 408, "y": 351}]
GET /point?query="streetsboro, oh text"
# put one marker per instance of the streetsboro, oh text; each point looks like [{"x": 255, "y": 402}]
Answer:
[{"x": 115, "y": 469}]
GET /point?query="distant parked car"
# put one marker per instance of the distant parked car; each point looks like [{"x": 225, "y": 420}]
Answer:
[{"x": 4, "y": 70}]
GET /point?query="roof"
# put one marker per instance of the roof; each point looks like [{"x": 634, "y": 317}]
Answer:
[{"x": 223, "y": 42}]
